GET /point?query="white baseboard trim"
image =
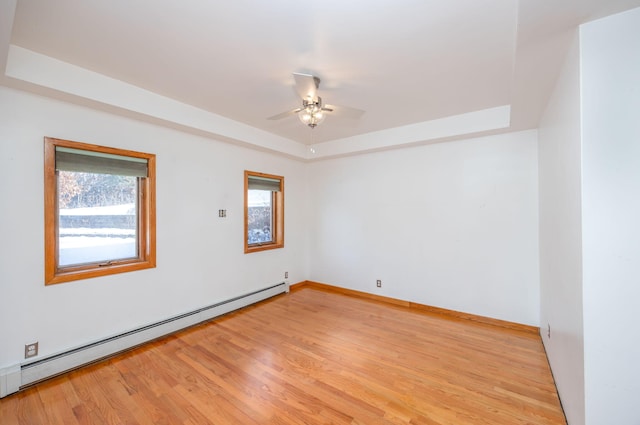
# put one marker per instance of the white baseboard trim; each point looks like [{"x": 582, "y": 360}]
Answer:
[
  {"x": 10, "y": 380},
  {"x": 13, "y": 378}
]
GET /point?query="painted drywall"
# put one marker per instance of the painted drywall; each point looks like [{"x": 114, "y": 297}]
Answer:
[
  {"x": 611, "y": 207},
  {"x": 559, "y": 168},
  {"x": 89, "y": 87},
  {"x": 200, "y": 257},
  {"x": 452, "y": 225}
]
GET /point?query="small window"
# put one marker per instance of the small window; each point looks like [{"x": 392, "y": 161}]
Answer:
[
  {"x": 263, "y": 211},
  {"x": 99, "y": 211}
]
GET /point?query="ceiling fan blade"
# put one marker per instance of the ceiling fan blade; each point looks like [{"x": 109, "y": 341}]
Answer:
[
  {"x": 345, "y": 111},
  {"x": 306, "y": 86},
  {"x": 285, "y": 114}
]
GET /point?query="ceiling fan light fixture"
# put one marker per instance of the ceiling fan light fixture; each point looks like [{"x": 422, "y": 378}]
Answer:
[{"x": 311, "y": 113}]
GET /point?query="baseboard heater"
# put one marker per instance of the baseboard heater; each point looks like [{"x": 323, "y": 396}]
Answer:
[{"x": 14, "y": 378}]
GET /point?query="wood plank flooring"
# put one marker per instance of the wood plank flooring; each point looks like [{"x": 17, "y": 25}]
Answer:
[{"x": 309, "y": 357}]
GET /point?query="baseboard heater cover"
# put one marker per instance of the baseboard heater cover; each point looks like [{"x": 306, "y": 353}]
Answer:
[{"x": 12, "y": 379}]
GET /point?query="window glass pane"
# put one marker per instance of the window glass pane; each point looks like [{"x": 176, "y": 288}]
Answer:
[
  {"x": 97, "y": 216},
  {"x": 264, "y": 211},
  {"x": 260, "y": 216}
]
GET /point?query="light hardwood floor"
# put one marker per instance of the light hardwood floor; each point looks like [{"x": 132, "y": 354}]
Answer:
[{"x": 309, "y": 357}]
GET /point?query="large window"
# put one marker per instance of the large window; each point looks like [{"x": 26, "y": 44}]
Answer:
[
  {"x": 263, "y": 211},
  {"x": 99, "y": 210}
]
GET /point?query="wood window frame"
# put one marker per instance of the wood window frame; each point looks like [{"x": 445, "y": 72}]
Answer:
[
  {"x": 277, "y": 202},
  {"x": 146, "y": 218}
]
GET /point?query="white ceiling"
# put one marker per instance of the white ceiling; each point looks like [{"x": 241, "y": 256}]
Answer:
[{"x": 406, "y": 62}]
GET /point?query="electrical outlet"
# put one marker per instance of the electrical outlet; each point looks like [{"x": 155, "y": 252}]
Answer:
[
  {"x": 548, "y": 331},
  {"x": 30, "y": 350},
  {"x": 286, "y": 275},
  {"x": 379, "y": 283}
]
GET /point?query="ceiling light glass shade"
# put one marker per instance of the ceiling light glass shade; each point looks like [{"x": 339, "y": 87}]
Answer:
[{"x": 311, "y": 116}]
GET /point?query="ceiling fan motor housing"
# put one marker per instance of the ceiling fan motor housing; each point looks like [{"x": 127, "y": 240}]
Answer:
[{"x": 312, "y": 105}]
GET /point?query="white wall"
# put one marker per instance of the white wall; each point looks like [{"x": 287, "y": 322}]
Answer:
[
  {"x": 559, "y": 167},
  {"x": 610, "y": 54},
  {"x": 453, "y": 225},
  {"x": 200, "y": 256}
]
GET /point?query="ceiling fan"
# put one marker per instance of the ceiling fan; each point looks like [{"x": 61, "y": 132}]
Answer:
[{"x": 313, "y": 110}]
